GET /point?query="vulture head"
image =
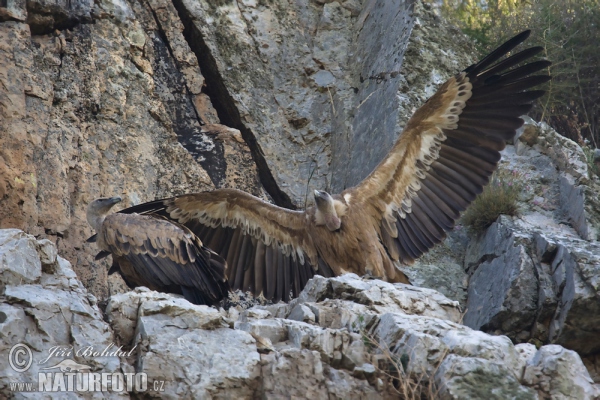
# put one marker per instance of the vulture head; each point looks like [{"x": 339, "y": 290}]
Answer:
[
  {"x": 326, "y": 213},
  {"x": 98, "y": 209}
]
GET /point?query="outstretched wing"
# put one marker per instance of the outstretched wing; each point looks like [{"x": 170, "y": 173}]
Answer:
[
  {"x": 163, "y": 255},
  {"x": 266, "y": 247},
  {"x": 448, "y": 150}
]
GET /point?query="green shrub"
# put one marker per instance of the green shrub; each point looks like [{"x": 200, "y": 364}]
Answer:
[
  {"x": 568, "y": 30},
  {"x": 498, "y": 197}
]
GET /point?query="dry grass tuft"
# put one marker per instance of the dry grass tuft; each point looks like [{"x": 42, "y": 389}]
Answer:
[
  {"x": 392, "y": 366},
  {"x": 498, "y": 197}
]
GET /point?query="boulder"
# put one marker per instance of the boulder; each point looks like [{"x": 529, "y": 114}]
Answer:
[
  {"x": 368, "y": 339},
  {"x": 535, "y": 277},
  {"x": 47, "y": 317}
]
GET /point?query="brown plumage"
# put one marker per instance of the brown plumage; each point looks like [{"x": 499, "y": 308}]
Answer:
[
  {"x": 151, "y": 251},
  {"x": 439, "y": 164}
]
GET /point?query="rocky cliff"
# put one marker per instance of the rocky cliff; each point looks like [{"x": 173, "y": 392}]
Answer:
[
  {"x": 147, "y": 99},
  {"x": 342, "y": 338}
]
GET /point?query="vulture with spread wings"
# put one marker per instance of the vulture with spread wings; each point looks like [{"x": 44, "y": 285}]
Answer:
[{"x": 203, "y": 244}]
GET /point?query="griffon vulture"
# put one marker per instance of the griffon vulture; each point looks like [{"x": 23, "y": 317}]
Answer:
[{"x": 436, "y": 168}]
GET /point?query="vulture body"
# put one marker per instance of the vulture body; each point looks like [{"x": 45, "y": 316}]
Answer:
[{"x": 438, "y": 165}]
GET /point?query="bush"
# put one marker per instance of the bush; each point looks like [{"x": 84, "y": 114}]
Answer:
[
  {"x": 568, "y": 30},
  {"x": 498, "y": 197}
]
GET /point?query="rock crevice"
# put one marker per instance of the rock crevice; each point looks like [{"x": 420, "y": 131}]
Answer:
[{"x": 226, "y": 109}]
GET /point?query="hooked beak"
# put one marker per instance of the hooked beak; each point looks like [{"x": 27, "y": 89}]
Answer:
[
  {"x": 320, "y": 194},
  {"x": 114, "y": 200}
]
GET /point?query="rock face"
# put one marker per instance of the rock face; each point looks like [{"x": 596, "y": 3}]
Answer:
[
  {"x": 46, "y": 308},
  {"x": 341, "y": 338},
  {"x": 156, "y": 98},
  {"x": 535, "y": 278},
  {"x": 101, "y": 109},
  {"x": 322, "y": 82}
]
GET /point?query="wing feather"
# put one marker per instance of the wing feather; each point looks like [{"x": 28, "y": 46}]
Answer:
[
  {"x": 259, "y": 268},
  {"x": 280, "y": 287},
  {"x": 287, "y": 278},
  {"x": 233, "y": 253},
  {"x": 271, "y": 276},
  {"x": 296, "y": 284},
  {"x": 249, "y": 271},
  {"x": 449, "y": 149},
  {"x": 246, "y": 231},
  {"x": 163, "y": 255}
]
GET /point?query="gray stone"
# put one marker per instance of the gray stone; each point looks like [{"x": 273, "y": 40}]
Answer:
[
  {"x": 13, "y": 10},
  {"x": 573, "y": 275},
  {"x": 525, "y": 352},
  {"x": 324, "y": 78},
  {"x": 19, "y": 259},
  {"x": 254, "y": 312},
  {"x": 441, "y": 268},
  {"x": 475, "y": 378},
  {"x": 273, "y": 329},
  {"x": 47, "y": 252},
  {"x": 196, "y": 353},
  {"x": 382, "y": 297},
  {"x": 125, "y": 310},
  {"x": 333, "y": 345},
  {"x": 302, "y": 313},
  {"x": 558, "y": 373},
  {"x": 339, "y": 314},
  {"x": 56, "y": 313},
  {"x": 596, "y": 156},
  {"x": 574, "y": 200},
  {"x": 528, "y": 286},
  {"x": 295, "y": 373},
  {"x": 198, "y": 363},
  {"x": 566, "y": 154},
  {"x": 427, "y": 341},
  {"x": 364, "y": 371},
  {"x": 503, "y": 290}
]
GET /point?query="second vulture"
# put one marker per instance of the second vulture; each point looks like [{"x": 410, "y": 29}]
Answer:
[{"x": 202, "y": 245}]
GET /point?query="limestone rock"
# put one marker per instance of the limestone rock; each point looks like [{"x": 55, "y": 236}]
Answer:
[
  {"x": 302, "y": 313},
  {"x": 380, "y": 296},
  {"x": 575, "y": 185},
  {"x": 558, "y": 373},
  {"x": 503, "y": 290},
  {"x": 548, "y": 288},
  {"x": 197, "y": 363},
  {"x": 534, "y": 277},
  {"x": 19, "y": 259},
  {"x": 101, "y": 109},
  {"x": 49, "y": 313},
  {"x": 199, "y": 352},
  {"x": 475, "y": 378},
  {"x": 441, "y": 268}
]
